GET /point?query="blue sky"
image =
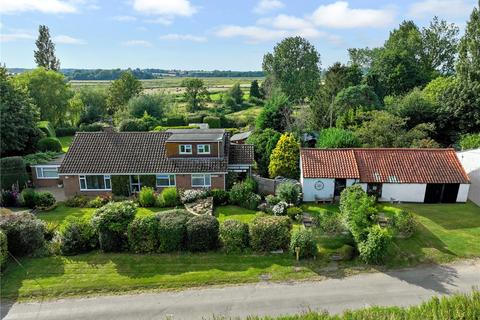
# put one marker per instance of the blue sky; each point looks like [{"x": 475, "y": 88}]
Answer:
[{"x": 196, "y": 34}]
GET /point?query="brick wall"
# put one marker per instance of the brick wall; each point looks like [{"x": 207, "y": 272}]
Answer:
[
  {"x": 71, "y": 187},
  {"x": 44, "y": 182}
]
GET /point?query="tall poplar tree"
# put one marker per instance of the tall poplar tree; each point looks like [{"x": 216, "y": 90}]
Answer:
[{"x": 45, "y": 55}]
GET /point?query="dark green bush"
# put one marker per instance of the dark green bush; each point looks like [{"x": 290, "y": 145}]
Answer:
[
  {"x": 241, "y": 194},
  {"x": 121, "y": 185},
  {"x": 404, "y": 223},
  {"x": 49, "y": 144},
  {"x": 50, "y": 230},
  {"x": 269, "y": 233},
  {"x": 132, "y": 125},
  {"x": 170, "y": 197},
  {"x": 24, "y": 233},
  {"x": 272, "y": 200},
  {"x": 29, "y": 198},
  {"x": 148, "y": 180},
  {"x": 305, "y": 241},
  {"x": 234, "y": 236},
  {"x": 44, "y": 199},
  {"x": 111, "y": 222},
  {"x": 3, "y": 251},
  {"x": 146, "y": 197},
  {"x": 295, "y": 213},
  {"x": 202, "y": 233},
  {"x": 13, "y": 171},
  {"x": 66, "y": 131},
  {"x": 172, "y": 230},
  {"x": 46, "y": 128},
  {"x": 220, "y": 197},
  {"x": 289, "y": 192},
  {"x": 9, "y": 198},
  {"x": 77, "y": 201},
  {"x": 93, "y": 127},
  {"x": 213, "y": 122},
  {"x": 194, "y": 118},
  {"x": 142, "y": 234},
  {"x": 329, "y": 222},
  {"x": 175, "y": 120},
  {"x": 252, "y": 201},
  {"x": 77, "y": 235},
  {"x": 374, "y": 248}
]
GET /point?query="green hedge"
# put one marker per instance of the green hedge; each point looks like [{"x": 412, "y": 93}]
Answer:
[
  {"x": 165, "y": 128},
  {"x": 142, "y": 234},
  {"x": 304, "y": 240},
  {"x": 66, "y": 131},
  {"x": 121, "y": 185},
  {"x": 49, "y": 144},
  {"x": 202, "y": 233},
  {"x": 213, "y": 122},
  {"x": 3, "y": 251},
  {"x": 77, "y": 235},
  {"x": 234, "y": 236},
  {"x": 175, "y": 120},
  {"x": 13, "y": 171},
  {"x": 46, "y": 128},
  {"x": 269, "y": 233},
  {"x": 172, "y": 230}
]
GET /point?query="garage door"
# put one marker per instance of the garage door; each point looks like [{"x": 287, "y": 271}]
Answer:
[{"x": 441, "y": 192}]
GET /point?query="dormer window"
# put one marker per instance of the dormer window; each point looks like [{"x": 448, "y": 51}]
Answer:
[
  {"x": 203, "y": 149},
  {"x": 185, "y": 149}
]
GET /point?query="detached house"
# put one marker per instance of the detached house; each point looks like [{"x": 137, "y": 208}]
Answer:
[
  {"x": 407, "y": 175},
  {"x": 193, "y": 158}
]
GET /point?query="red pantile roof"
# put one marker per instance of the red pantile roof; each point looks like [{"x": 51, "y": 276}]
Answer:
[
  {"x": 329, "y": 163},
  {"x": 385, "y": 165}
]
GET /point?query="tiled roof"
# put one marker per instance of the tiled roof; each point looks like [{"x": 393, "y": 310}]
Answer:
[
  {"x": 410, "y": 166},
  {"x": 131, "y": 152},
  {"x": 241, "y": 154},
  {"x": 385, "y": 165},
  {"x": 329, "y": 163}
]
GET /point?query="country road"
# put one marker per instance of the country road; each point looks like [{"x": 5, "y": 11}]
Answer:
[{"x": 401, "y": 288}]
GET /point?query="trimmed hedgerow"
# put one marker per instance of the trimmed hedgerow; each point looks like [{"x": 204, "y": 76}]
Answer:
[
  {"x": 49, "y": 144},
  {"x": 24, "y": 233},
  {"x": 234, "y": 236},
  {"x": 44, "y": 199},
  {"x": 172, "y": 230},
  {"x": 77, "y": 235},
  {"x": 65, "y": 131},
  {"x": 202, "y": 233},
  {"x": 146, "y": 197},
  {"x": 13, "y": 171},
  {"x": 175, "y": 120},
  {"x": 269, "y": 233},
  {"x": 142, "y": 234},
  {"x": 213, "y": 122},
  {"x": 3, "y": 251},
  {"x": 111, "y": 222},
  {"x": 305, "y": 241}
]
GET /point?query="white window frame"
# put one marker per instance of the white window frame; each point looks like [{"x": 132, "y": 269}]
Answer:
[
  {"x": 40, "y": 172},
  {"x": 204, "y": 177},
  {"x": 166, "y": 176},
  {"x": 201, "y": 148},
  {"x": 139, "y": 183},
  {"x": 107, "y": 180},
  {"x": 185, "y": 147}
]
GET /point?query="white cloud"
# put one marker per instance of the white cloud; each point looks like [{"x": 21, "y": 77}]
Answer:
[
  {"x": 8, "y": 37},
  {"x": 161, "y": 20},
  {"x": 167, "y": 8},
  {"x": 283, "y": 21},
  {"x": 252, "y": 34},
  {"x": 44, "y": 6},
  {"x": 64, "y": 39},
  {"x": 443, "y": 8},
  {"x": 137, "y": 43},
  {"x": 183, "y": 37},
  {"x": 340, "y": 15},
  {"x": 124, "y": 18},
  {"x": 265, "y": 6}
]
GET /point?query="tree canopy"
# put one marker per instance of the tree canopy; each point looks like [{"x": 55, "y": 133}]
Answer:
[
  {"x": 195, "y": 93},
  {"x": 45, "y": 53},
  {"x": 121, "y": 91},
  {"x": 284, "y": 160}
]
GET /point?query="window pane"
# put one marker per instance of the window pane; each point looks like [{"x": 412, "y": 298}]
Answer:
[
  {"x": 50, "y": 173},
  {"x": 95, "y": 182},
  {"x": 39, "y": 173},
  {"x": 198, "y": 180},
  {"x": 172, "y": 179},
  {"x": 208, "y": 180},
  {"x": 134, "y": 179},
  {"x": 163, "y": 180},
  {"x": 83, "y": 184},
  {"x": 108, "y": 184}
]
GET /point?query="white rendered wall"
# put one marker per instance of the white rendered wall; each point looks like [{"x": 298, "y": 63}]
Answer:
[
  {"x": 463, "y": 193},
  {"x": 471, "y": 162},
  {"x": 309, "y": 191},
  {"x": 405, "y": 192}
]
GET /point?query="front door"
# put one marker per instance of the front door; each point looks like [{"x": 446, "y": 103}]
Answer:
[{"x": 340, "y": 184}]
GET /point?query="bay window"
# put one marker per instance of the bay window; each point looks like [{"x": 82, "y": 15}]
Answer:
[
  {"x": 201, "y": 180},
  {"x": 165, "y": 180},
  {"x": 95, "y": 182}
]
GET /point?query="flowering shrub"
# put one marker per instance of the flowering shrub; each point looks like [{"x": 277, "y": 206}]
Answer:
[
  {"x": 280, "y": 208},
  {"x": 192, "y": 195},
  {"x": 272, "y": 200},
  {"x": 78, "y": 201},
  {"x": 99, "y": 201}
]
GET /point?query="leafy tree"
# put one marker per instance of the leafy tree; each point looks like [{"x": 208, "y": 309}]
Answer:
[
  {"x": 440, "y": 41},
  {"x": 470, "y": 141},
  {"x": 45, "y": 53},
  {"x": 436, "y": 87},
  {"x": 255, "y": 90},
  {"x": 468, "y": 66},
  {"x": 18, "y": 125},
  {"x": 276, "y": 113},
  {"x": 76, "y": 109},
  {"x": 264, "y": 142},
  {"x": 153, "y": 104},
  {"x": 321, "y": 110},
  {"x": 236, "y": 93},
  {"x": 339, "y": 77},
  {"x": 49, "y": 92},
  {"x": 337, "y": 138},
  {"x": 401, "y": 64},
  {"x": 121, "y": 91},
  {"x": 363, "y": 57},
  {"x": 195, "y": 93},
  {"x": 294, "y": 66},
  {"x": 414, "y": 106},
  {"x": 95, "y": 101},
  {"x": 352, "y": 99},
  {"x": 284, "y": 160}
]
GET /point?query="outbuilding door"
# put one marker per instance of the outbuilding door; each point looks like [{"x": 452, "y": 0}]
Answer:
[{"x": 441, "y": 192}]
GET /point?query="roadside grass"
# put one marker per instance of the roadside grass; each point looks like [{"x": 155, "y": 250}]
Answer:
[{"x": 66, "y": 142}]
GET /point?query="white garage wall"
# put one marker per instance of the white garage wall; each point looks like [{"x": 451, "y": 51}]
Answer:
[
  {"x": 471, "y": 162},
  {"x": 405, "y": 192},
  {"x": 463, "y": 193},
  {"x": 309, "y": 191}
]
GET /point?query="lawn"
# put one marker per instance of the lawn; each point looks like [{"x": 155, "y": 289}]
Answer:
[
  {"x": 66, "y": 142},
  {"x": 234, "y": 212}
]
